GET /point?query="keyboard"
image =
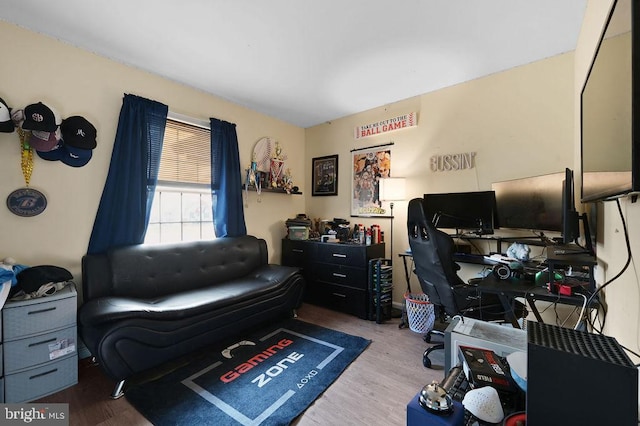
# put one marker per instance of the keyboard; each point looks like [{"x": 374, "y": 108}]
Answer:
[{"x": 456, "y": 384}]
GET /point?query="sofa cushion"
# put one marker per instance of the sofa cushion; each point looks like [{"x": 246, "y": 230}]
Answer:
[
  {"x": 268, "y": 279},
  {"x": 159, "y": 270}
]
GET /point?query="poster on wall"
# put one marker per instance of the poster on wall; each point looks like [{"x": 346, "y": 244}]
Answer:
[{"x": 369, "y": 165}]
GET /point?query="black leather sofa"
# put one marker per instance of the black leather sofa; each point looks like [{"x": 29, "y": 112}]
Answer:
[{"x": 145, "y": 305}]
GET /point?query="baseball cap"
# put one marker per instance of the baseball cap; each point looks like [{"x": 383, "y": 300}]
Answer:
[
  {"x": 69, "y": 155},
  {"x": 6, "y": 124},
  {"x": 78, "y": 132},
  {"x": 44, "y": 141},
  {"x": 39, "y": 117},
  {"x": 76, "y": 157},
  {"x": 17, "y": 116}
]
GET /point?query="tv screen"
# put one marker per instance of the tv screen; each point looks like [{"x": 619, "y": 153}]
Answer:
[
  {"x": 532, "y": 203},
  {"x": 470, "y": 211},
  {"x": 609, "y": 111}
]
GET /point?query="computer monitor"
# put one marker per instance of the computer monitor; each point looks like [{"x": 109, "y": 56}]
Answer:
[
  {"x": 469, "y": 211},
  {"x": 532, "y": 203}
]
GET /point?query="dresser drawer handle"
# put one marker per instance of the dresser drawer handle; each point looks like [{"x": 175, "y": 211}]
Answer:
[
  {"x": 335, "y": 274},
  {"x": 338, "y": 255},
  {"x": 43, "y": 374},
  {"x": 340, "y": 295},
  {"x": 42, "y": 343},
  {"x": 42, "y": 310},
  {"x": 297, "y": 250}
]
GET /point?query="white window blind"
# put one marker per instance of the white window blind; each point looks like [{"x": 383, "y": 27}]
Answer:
[{"x": 186, "y": 154}]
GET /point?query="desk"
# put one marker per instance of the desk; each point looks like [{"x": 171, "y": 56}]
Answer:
[
  {"x": 513, "y": 287},
  {"x": 510, "y": 288}
]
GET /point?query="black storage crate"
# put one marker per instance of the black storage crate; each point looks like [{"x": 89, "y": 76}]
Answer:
[{"x": 380, "y": 289}]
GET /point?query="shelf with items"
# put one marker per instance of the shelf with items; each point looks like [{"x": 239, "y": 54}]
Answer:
[
  {"x": 381, "y": 289},
  {"x": 275, "y": 190}
]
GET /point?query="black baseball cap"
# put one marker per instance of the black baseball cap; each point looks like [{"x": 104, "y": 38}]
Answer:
[{"x": 78, "y": 132}]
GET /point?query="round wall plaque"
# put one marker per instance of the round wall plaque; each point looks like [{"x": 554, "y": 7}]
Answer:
[{"x": 26, "y": 202}]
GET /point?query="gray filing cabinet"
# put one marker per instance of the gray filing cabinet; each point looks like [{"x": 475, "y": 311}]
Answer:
[{"x": 39, "y": 345}]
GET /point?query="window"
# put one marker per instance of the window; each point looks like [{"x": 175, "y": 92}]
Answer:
[{"x": 181, "y": 209}]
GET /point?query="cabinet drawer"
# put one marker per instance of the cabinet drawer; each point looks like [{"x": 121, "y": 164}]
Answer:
[
  {"x": 44, "y": 380},
  {"x": 339, "y": 298},
  {"x": 24, "y": 353},
  {"x": 343, "y": 275},
  {"x": 342, "y": 254},
  {"x": 296, "y": 252},
  {"x": 34, "y": 318}
]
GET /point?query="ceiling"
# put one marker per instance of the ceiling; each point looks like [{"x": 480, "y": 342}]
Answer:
[{"x": 309, "y": 61}]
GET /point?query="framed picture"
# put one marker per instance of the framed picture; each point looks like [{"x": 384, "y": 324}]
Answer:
[
  {"x": 369, "y": 166},
  {"x": 324, "y": 178}
]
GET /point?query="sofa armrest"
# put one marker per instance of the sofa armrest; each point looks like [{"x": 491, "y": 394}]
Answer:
[{"x": 96, "y": 276}]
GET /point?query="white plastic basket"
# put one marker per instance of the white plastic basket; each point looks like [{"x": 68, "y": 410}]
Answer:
[{"x": 420, "y": 313}]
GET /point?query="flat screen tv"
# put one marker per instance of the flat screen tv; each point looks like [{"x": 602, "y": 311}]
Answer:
[
  {"x": 464, "y": 211},
  {"x": 610, "y": 113},
  {"x": 531, "y": 203}
]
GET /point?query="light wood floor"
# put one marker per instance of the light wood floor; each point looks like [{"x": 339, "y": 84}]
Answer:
[{"x": 373, "y": 390}]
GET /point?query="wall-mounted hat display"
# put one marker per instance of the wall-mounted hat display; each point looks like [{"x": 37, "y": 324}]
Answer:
[{"x": 41, "y": 129}]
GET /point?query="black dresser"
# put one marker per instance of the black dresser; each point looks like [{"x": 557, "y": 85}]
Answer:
[{"x": 336, "y": 273}]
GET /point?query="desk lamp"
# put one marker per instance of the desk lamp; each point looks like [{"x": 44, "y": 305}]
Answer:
[{"x": 392, "y": 189}]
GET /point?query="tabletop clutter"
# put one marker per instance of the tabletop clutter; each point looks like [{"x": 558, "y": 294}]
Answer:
[{"x": 336, "y": 230}]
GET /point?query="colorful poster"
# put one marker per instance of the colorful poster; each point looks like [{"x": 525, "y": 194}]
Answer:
[{"x": 369, "y": 166}]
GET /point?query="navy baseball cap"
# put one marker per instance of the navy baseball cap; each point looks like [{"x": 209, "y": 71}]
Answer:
[
  {"x": 76, "y": 157},
  {"x": 69, "y": 155}
]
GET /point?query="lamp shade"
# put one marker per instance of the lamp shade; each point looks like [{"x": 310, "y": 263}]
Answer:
[{"x": 392, "y": 189}]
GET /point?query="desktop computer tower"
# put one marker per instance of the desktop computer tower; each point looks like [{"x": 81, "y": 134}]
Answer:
[
  {"x": 578, "y": 378},
  {"x": 501, "y": 339}
]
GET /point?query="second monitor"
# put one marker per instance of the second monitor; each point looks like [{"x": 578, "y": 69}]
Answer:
[{"x": 473, "y": 212}]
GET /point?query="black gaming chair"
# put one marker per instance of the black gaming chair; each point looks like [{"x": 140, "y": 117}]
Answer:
[{"x": 432, "y": 252}]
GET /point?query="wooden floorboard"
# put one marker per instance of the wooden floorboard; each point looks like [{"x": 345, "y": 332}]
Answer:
[{"x": 373, "y": 390}]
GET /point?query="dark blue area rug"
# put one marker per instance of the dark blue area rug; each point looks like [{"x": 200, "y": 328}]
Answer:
[{"x": 262, "y": 378}]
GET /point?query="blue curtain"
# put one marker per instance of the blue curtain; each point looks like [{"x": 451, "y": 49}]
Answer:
[
  {"x": 125, "y": 205},
  {"x": 226, "y": 180}
]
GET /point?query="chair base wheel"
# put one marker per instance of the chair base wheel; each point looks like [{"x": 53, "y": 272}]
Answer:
[{"x": 426, "y": 361}]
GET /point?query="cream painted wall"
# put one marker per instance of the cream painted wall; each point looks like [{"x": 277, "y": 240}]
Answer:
[
  {"x": 518, "y": 122},
  {"x": 622, "y": 296},
  {"x": 38, "y": 68}
]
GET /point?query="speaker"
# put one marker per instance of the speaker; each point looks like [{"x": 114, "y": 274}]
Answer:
[{"x": 578, "y": 378}]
